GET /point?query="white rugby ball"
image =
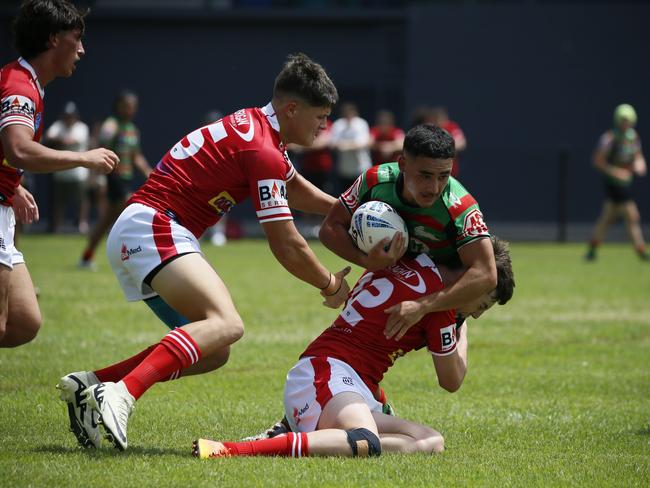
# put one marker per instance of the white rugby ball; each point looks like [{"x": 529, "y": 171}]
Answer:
[{"x": 374, "y": 221}]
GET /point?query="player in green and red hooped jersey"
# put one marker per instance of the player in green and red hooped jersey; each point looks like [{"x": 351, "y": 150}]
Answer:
[{"x": 443, "y": 220}]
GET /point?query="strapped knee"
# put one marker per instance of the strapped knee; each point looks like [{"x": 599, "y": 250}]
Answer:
[{"x": 363, "y": 443}]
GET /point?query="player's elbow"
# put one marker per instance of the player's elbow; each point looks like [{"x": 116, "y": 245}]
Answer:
[{"x": 450, "y": 386}]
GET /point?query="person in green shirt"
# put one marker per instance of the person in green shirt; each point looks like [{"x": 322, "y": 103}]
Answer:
[
  {"x": 443, "y": 220},
  {"x": 120, "y": 134},
  {"x": 619, "y": 158}
]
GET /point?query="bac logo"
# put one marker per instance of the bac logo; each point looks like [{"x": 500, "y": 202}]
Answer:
[
  {"x": 474, "y": 225},
  {"x": 447, "y": 338},
  {"x": 17, "y": 105},
  {"x": 273, "y": 193}
]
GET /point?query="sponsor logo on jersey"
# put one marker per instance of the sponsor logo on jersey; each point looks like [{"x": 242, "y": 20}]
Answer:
[
  {"x": 273, "y": 193},
  {"x": 347, "y": 381},
  {"x": 3, "y": 246},
  {"x": 448, "y": 338},
  {"x": 127, "y": 253},
  {"x": 409, "y": 277},
  {"x": 240, "y": 118},
  {"x": 473, "y": 224},
  {"x": 17, "y": 105},
  {"x": 223, "y": 202},
  {"x": 297, "y": 413}
]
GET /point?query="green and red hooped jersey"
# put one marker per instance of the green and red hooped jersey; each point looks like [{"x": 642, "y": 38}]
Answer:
[{"x": 454, "y": 220}]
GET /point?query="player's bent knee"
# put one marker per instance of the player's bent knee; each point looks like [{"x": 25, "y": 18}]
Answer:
[
  {"x": 363, "y": 442},
  {"x": 230, "y": 328}
]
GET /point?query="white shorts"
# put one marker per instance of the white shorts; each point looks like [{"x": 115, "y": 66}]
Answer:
[
  {"x": 141, "y": 240},
  {"x": 312, "y": 382},
  {"x": 9, "y": 255}
]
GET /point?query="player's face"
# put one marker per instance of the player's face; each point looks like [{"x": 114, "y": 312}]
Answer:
[
  {"x": 306, "y": 122},
  {"x": 424, "y": 178},
  {"x": 68, "y": 49},
  {"x": 476, "y": 308},
  {"x": 127, "y": 107}
]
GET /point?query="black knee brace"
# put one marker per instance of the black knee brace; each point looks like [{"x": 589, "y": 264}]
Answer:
[{"x": 363, "y": 443}]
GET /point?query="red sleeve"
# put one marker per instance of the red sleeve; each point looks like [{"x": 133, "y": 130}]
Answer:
[
  {"x": 267, "y": 177},
  {"x": 441, "y": 332},
  {"x": 17, "y": 105}
]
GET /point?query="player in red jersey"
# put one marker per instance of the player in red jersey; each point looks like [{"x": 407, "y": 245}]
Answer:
[
  {"x": 328, "y": 395},
  {"x": 154, "y": 250},
  {"x": 47, "y": 35}
]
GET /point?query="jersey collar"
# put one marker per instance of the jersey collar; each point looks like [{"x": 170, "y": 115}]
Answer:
[
  {"x": 23, "y": 62},
  {"x": 269, "y": 111}
]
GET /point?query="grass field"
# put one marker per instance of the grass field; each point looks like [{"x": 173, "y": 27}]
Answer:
[{"x": 558, "y": 389}]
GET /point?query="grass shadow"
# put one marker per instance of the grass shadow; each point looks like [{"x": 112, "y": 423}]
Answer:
[{"x": 107, "y": 452}]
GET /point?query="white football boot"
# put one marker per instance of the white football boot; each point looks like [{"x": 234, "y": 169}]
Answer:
[
  {"x": 83, "y": 420},
  {"x": 114, "y": 404}
]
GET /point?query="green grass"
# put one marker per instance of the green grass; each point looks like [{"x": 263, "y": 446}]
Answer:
[{"x": 558, "y": 390}]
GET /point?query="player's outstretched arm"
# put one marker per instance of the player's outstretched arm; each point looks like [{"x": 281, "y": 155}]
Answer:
[
  {"x": 306, "y": 197},
  {"x": 451, "y": 369},
  {"x": 479, "y": 278},
  {"x": 22, "y": 152},
  {"x": 292, "y": 251}
]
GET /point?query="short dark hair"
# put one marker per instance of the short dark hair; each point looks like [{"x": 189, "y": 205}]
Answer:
[
  {"x": 505, "y": 276},
  {"x": 430, "y": 141},
  {"x": 303, "y": 78},
  {"x": 37, "y": 20}
]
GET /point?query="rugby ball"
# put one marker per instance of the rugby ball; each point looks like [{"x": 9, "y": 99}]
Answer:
[{"x": 374, "y": 221}]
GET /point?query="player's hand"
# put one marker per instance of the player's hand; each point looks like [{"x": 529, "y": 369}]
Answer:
[
  {"x": 386, "y": 252},
  {"x": 339, "y": 290},
  {"x": 101, "y": 159},
  {"x": 402, "y": 317},
  {"x": 24, "y": 206}
]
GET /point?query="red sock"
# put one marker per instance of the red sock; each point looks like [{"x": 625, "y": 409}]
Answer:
[
  {"x": 88, "y": 254},
  {"x": 176, "y": 351},
  {"x": 119, "y": 370},
  {"x": 289, "y": 445}
]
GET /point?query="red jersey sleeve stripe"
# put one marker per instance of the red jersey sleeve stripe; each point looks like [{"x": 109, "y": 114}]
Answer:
[
  {"x": 162, "y": 236},
  {"x": 322, "y": 375},
  {"x": 275, "y": 218},
  {"x": 465, "y": 202}
]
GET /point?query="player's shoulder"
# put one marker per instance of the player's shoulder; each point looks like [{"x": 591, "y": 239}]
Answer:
[
  {"x": 16, "y": 80},
  {"x": 382, "y": 174},
  {"x": 454, "y": 192}
]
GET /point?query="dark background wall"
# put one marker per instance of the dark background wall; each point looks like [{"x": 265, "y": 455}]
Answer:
[{"x": 525, "y": 80}]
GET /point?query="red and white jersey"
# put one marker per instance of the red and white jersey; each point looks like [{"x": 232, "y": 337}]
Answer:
[
  {"x": 217, "y": 166},
  {"x": 21, "y": 103},
  {"x": 357, "y": 335}
]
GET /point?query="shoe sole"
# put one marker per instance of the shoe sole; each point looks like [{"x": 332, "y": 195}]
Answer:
[
  {"x": 203, "y": 449},
  {"x": 67, "y": 395},
  {"x": 108, "y": 433}
]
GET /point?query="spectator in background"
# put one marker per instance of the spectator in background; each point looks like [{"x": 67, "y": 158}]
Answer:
[
  {"x": 120, "y": 134},
  {"x": 316, "y": 165},
  {"x": 68, "y": 186},
  {"x": 386, "y": 139},
  {"x": 440, "y": 117},
  {"x": 619, "y": 157},
  {"x": 350, "y": 140}
]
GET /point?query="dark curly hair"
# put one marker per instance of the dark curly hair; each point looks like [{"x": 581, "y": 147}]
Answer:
[
  {"x": 430, "y": 141},
  {"x": 37, "y": 20},
  {"x": 505, "y": 276},
  {"x": 303, "y": 78}
]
